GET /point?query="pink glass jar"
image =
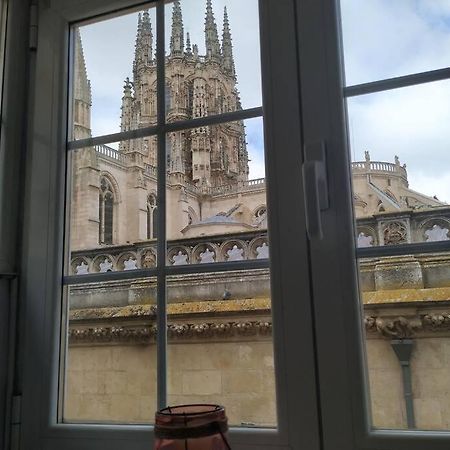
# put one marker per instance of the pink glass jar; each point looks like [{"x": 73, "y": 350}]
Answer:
[{"x": 191, "y": 427}]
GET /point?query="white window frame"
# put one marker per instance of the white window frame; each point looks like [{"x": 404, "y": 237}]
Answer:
[
  {"x": 44, "y": 250},
  {"x": 319, "y": 355},
  {"x": 342, "y": 373}
]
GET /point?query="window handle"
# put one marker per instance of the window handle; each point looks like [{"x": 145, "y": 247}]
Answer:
[{"x": 315, "y": 188}]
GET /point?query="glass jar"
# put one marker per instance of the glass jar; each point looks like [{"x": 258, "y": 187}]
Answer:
[{"x": 191, "y": 427}]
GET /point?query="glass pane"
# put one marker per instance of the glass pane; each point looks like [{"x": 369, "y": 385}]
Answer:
[
  {"x": 400, "y": 165},
  {"x": 384, "y": 39},
  {"x": 216, "y": 194},
  {"x": 407, "y": 320},
  {"x": 114, "y": 74},
  {"x": 213, "y": 60},
  {"x": 113, "y": 207},
  {"x": 110, "y": 373},
  {"x": 220, "y": 344},
  {"x": 400, "y": 195}
]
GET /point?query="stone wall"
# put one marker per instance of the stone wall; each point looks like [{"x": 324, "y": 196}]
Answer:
[{"x": 118, "y": 382}]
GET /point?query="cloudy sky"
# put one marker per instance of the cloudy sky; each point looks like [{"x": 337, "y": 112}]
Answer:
[
  {"x": 388, "y": 38},
  {"x": 382, "y": 39}
]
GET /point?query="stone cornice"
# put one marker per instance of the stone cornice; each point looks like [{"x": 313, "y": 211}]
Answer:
[
  {"x": 400, "y": 327},
  {"x": 392, "y": 327},
  {"x": 212, "y": 307},
  {"x": 145, "y": 334}
]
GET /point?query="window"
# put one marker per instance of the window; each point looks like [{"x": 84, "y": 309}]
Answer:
[
  {"x": 317, "y": 337},
  {"x": 106, "y": 211},
  {"x": 152, "y": 217}
]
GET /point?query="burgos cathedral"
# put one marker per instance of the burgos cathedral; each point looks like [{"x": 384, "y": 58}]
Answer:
[{"x": 217, "y": 214}]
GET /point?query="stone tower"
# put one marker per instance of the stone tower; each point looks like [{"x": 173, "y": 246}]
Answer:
[
  {"x": 196, "y": 86},
  {"x": 82, "y": 93}
]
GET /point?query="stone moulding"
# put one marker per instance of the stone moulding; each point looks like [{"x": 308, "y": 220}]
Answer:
[
  {"x": 146, "y": 334},
  {"x": 398, "y": 327},
  {"x": 401, "y": 327}
]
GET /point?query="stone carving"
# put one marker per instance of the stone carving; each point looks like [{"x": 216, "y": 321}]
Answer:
[
  {"x": 180, "y": 259},
  {"x": 235, "y": 254},
  {"x": 364, "y": 240},
  {"x": 262, "y": 252},
  {"x": 129, "y": 264},
  {"x": 436, "y": 233},
  {"x": 436, "y": 322},
  {"x": 106, "y": 265},
  {"x": 207, "y": 256},
  {"x": 148, "y": 259},
  {"x": 393, "y": 327},
  {"x": 82, "y": 269},
  {"x": 147, "y": 333},
  {"x": 395, "y": 233}
]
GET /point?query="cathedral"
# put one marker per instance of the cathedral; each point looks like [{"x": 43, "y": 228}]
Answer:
[
  {"x": 207, "y": 167},
  {"x": 114, "y": 198},
  {"x": 216, "y": 213}
]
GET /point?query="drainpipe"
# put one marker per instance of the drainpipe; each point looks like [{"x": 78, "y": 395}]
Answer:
[{"x": 403, "y": 349}]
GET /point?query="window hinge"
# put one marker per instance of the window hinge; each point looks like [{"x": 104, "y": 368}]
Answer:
[
  {"x": 33, "y": 26},
  {"x": 16, "y": 414}
]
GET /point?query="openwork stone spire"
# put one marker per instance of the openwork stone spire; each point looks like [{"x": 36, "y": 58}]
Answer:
[
  {"x": 82, "y": 93},
  {"x": 177, "y": 37},
  {"x": 227, "y": 46},
  {"x": 144, "y": 43},
  {"x": 82, "y": 84},
  {"x": 211, "y": 37},
  {"x": 188, "y": 45}
]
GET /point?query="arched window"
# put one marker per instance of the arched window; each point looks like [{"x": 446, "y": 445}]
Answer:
[
  {"x": 152, "y": 217},
  {"x": 261, "y": 211},
  {"x": 106, "y": 212},
  {"x": 168, "y": 97}
]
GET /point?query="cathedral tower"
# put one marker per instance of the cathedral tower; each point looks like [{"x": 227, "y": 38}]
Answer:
[{"x": 196, "y": 86}]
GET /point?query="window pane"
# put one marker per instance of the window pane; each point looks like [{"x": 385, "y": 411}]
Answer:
[
  {"x": 213, "y": 59},
  {"x": 110, "y": 373},
  {"x": 400, "y": 195},
  {"x": 113, "y": 207},
  {"x": 220, "y": 344},
  {"x": 407, "y": 321},
  {"x": 114, "y": 74},
  {"x": 216, "y": 192},
  {"x": 400, "y": 165},
  {"x": 384, "y": 39}
]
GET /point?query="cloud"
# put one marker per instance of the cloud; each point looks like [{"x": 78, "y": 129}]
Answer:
[
  {"x": 383, "y": 39},
  {"x": 255, "y": 147}
]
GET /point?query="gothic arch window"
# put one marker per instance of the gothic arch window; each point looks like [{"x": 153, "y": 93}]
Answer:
[
  {"x": 106, "y": 211},
  {"x": 152, "y": 217},
  {"x": 168, "y": 96},
  {"x": 260, "y": 212}
]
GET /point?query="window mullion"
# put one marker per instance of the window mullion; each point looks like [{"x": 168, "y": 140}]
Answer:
[{"x": 161, "y": 320}]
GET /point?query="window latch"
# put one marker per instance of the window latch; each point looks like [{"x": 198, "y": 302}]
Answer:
[{"x": 315, "y": 187}]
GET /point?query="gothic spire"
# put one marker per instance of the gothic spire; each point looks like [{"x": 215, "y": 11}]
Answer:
[
  {"x": 144, "y": 42},
  {"x": 177, "y": 37},
  {"x": 227, "y": 46},
  {"x": 188, "y": 45},
  {"x": 82, "y": 83},
  {"x": 211, "y": 37}
]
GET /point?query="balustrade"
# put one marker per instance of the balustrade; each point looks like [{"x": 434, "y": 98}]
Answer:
[{"x": 233, "y": 247}]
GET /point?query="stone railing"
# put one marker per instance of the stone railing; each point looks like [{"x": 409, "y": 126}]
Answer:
[
  {"x": 150, "y": 170},
  {"x": 411, "y": 226},
  {"x": 112, "y": 153},
  {"x": 378, "y": 166},
  {"x": 235, "y": 247}
]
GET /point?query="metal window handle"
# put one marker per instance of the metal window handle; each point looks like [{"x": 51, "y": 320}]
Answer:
[{"x": 315, "y": 187}]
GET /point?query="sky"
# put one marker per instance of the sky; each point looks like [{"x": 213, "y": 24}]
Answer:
[
  {"x": 382, "y": 39},
  {"x": 388, "y": 38}
]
